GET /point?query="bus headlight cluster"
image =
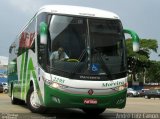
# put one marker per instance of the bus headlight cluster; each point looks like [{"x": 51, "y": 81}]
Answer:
[
  {"x": 122, "y": 87},
  {"x": 48, "y": 82},
  {"x": 53, "y": 84},
  {"x": 59, "y": 86}
]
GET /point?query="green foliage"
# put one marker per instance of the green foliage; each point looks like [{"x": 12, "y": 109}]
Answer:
[
  {"x": 149, "y": 44},
  {"x": 146, "y": 45},
  {"x": 153, "y": 72},
  {"x": 139, "y": 62}
]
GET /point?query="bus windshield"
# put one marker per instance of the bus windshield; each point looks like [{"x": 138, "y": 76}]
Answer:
[{"x": 89, "y": 46}]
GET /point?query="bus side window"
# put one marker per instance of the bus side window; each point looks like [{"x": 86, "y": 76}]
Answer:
[{"x": 43, "y": 58}]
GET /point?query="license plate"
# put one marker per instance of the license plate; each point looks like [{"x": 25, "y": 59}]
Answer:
[{"x": 90, "y": 101}]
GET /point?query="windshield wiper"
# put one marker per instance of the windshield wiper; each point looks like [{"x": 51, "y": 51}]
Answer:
[
  {"x": 104, "y": 65},
  {"x": 77, "y": 64}
]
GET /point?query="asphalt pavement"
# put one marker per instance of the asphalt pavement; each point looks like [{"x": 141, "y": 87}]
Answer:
[{"x": 136, "y": 108}]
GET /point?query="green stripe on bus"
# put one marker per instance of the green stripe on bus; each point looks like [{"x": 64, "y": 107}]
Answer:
[
  {"x": 24, "y": 75},
  {"x": 21, "y": 73},
  {"x": 31, "y": 69}
]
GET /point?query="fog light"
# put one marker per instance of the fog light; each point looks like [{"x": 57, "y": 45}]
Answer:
[{"x": 55, "y": 99}]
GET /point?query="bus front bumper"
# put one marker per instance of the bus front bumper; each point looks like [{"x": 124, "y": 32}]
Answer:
[{"x": 57, "y": 98}]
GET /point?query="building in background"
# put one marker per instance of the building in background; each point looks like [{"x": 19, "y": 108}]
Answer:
[
  {"x": 3, "y": 68},
  {"x": 3, "y": 62}
]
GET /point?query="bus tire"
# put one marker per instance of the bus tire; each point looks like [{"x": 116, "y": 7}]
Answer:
[
  {"x": 131, "y": 95},
  {"x": 149, "y": 97},
  {"x": 31, "y": 104},
  {"x": 13, "y": 99},
  {"x": 92, "y": 111}
]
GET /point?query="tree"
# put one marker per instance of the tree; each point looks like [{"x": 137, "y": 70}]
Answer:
[
  {"x": 153, "y": 72},
  {"x": 138, "y": 62},
  {"x": 146, "y": 45}
]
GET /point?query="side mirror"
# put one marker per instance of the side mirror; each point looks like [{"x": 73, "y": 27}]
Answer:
[
  {"x": 135, "y": 39},
  {"x": 43, "y": 33}
]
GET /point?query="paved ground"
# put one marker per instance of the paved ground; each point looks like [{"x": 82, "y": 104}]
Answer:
[
  {"x": 136, "y": 108},
  {"x": 140, "y": 105}
]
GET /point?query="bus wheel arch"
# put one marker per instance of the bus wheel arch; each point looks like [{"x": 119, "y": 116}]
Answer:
[
  {"x": 31, "y": 103},
  {"x": 31, "y": 84},
  {"x": 13, "y": 99}
]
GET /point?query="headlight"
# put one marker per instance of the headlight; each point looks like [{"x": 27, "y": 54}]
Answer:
[
  {"x": 53, "y": 84},
  {"x": 48, "y": 82},
  {"x": 122, "y": 87},
  {"x": 58, "y": 86}
]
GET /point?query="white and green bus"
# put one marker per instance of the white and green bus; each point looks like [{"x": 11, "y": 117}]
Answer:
[{"x": 92, "y": 78}]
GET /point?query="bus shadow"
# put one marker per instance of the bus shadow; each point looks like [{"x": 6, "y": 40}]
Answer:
[
  {"x": 65, "y": 113},
  {"x": 69, "y": 114}
]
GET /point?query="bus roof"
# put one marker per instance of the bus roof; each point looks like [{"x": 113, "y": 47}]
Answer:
[{"x": 78, "y": 10}]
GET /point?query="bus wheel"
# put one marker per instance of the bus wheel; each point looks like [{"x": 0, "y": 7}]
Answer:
[
  {"x": 96, "y": 111},
  {"x": 131, "y": 95},
  {"x": 31, "y": 102},
  {"x": 13, "y": 99},
  {"x": 148, "y": 97}
]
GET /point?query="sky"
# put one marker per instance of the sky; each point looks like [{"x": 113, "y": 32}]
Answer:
[{"x": 142, "y": 16}]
